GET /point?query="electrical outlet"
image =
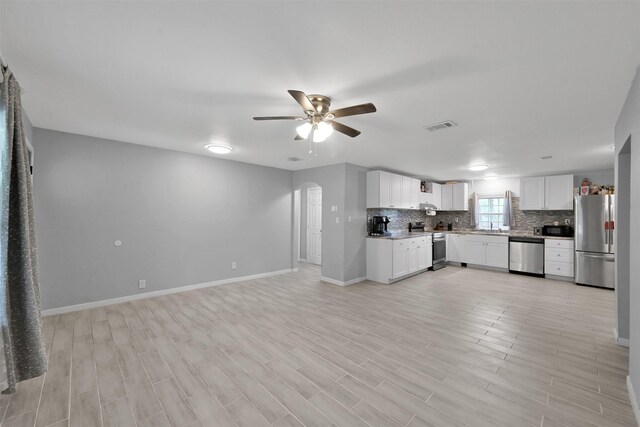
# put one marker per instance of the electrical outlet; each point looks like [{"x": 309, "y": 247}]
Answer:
[
  {"x": 567, "y": 221},
  {"x": 234, "y": 265},
  {"x": 142, "y": 284},
  {"x": 337, "y": 220}
]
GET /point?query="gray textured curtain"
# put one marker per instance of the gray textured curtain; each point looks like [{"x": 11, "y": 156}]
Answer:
[
  {"x": 507, "y": 213},
  {"x": 20, "y": 312},
  {"x": 475, "y": 207}
]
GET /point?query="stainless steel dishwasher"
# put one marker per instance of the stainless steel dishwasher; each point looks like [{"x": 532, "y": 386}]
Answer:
[{"x": 526, "y": 255}]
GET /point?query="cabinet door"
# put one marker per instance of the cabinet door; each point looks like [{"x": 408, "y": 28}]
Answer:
[
  {"x": 385, "y": 190},
  {"x": 396, "y": 191},
  {"x": 447, "y": 197},
  {"x": 558, "y": 192},
  {"x": 532, "y": 193},
  {"x": 429, "y": 253},
  {"x": 475, "y": 252},
  {"x": 412, "y": 256},
  {"x": 460, "y": 197},
  {"x": 406, "y": 193},
  {"x": 400, "y": 258},
  {"x": 424, "y": 255},
  {"x": 416, "y": 194},
  {"x": 497, "y": 255},
  {"x": 436, "y": 191}
]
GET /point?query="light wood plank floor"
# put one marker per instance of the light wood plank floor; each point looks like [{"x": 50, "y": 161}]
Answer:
[{"x": 448, "y": 348}]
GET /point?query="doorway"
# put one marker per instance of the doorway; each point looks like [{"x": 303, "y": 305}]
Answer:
[
  {"x": 307, "y": 226},
  {"x": 314, "y": 225}
]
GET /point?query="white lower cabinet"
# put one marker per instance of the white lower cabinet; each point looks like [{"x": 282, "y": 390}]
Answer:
[
  {"x": 456, "y": 250},
  {"x": 558, "y": 257},
  {"x": 490, "y": 251},
  {"x": 389, "y": 260}
]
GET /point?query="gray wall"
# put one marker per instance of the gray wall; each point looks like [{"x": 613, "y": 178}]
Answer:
[
  {"x": 332, "y": 180},
  {"x": 182, "y": 218},
  {"x": 628, "y": 292},
  {"x": 355, "y": 256}
]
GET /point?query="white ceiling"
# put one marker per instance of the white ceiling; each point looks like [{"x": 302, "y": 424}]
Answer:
[{"x": 522, "y": 79}]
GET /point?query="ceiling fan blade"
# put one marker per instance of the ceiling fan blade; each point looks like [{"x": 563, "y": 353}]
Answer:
[
  {"x": 349, "y": 131},
  {"x": 354, "y": 110},
  {"x": 279, "y": 118},
  {"x": 302, "y": 99}
]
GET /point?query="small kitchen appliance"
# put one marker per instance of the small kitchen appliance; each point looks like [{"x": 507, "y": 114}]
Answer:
[
  {"x": 557, "y": 230},
  {"x": 379, "y": 226},
  {"x": 416, "y": 226}
]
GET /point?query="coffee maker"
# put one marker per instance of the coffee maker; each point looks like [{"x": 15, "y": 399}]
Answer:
[{"x": 379, "y": 225}]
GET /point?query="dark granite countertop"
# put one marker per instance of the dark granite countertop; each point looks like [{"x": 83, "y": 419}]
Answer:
[{"x": 514, "y": 233}]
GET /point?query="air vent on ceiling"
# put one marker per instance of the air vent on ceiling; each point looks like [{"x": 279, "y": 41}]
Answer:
[
  {"x": 441, "y": 125},
  {"x": 546, "y": 157},
  {"x": 294, "y": 159}
]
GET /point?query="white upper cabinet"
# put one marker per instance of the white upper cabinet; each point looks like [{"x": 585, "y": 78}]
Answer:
[
  {"x": 454, "y": 197},
  {"x": 546, "y": 193},
  {"x": 436, "y": 191},
  {"x": 460, "y": 196},
  {"x": 410, "y": 193},
  {"x": 446, "y": 201},
  {"x": 390, "y": 190},
  {"x": 532, "y": 193},
  {"x": 396, "y": 191},
  {"x": 558, "y": 192}
]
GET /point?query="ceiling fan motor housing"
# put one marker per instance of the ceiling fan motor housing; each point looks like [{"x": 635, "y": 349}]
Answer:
[{"x": 320, "y": 102}]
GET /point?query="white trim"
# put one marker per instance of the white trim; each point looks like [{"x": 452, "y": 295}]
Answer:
[
  {"x": 634, "y": 400},
  {"x": 102, "y": 303},
  {"x": 341, "y": 283},
  {"x": 621, "y": 341}
]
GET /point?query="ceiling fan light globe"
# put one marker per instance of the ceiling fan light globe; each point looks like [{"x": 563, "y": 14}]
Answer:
[
  {"x": 323, "y": 131},
  {"x": 304, "y": 130}
]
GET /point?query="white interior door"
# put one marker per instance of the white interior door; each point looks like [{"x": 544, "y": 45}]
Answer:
[{"x": 314, "y": 225}]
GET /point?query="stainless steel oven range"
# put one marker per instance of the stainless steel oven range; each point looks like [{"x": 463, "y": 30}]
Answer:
[{"x": 439, "y": 251}]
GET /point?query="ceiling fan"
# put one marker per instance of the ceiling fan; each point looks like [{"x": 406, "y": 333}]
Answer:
[{"x": 319, "y": 123}]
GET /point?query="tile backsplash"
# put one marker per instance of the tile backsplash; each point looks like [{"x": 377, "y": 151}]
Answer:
[{"x": 461, "y": 220}]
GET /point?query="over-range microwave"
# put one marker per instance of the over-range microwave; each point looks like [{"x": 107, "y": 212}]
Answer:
[{"x": 557, "y": 230}]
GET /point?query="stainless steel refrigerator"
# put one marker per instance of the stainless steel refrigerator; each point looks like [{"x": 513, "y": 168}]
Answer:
[{"x": 595, "y": 246}]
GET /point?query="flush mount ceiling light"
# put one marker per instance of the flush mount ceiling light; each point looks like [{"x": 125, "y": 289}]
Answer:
[
  {"x": 490, "y": 177},
  {"x": 219, "y": 148},
  {"x": 477, "y": 167}
]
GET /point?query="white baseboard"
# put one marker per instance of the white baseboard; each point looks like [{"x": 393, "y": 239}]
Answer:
[
  {"x": 111, "y": 301},
  {"x": 341, "y": 283},
  {"x": 621, "y": 341},
  {"x": 634, "y": 400}
]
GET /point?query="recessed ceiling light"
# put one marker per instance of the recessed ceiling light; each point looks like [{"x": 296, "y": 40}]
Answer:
[
  {"x": 477, "y": 167},
  {"x": 490, "y": 177},
  {"x": 219, "y": 149}
]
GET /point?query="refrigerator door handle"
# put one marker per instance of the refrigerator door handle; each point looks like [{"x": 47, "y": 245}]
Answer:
[
  {"x": 598, "y": 257},
  {"x": 606, "y": 232}
]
